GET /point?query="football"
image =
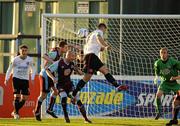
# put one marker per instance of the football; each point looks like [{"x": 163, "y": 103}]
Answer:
[{"x": 83, "y": 33}]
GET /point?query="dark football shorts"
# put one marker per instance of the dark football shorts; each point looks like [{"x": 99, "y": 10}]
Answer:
[
  {"x": 45, "y": 84},
  {"x": 20, "y": 86},
  {"x": 65, "y": 86},
  {"x": 92, "y": 63}
]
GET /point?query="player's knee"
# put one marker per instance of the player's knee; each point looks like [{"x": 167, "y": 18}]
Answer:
[
  {"x": 79, "y": 103},
  {"x": 43, "y": 95},
  {"x": 16, "y": 98},
  {"x": 176, "y": 101},
  {"x": 178, "y": 98},
  {"x": 64, "y": 100},
  {"x": 104, "y": 70},
  {"x": 159, "y": 94},
  {"x": 63, "y": 94},
  {"x": 24, "y": 97},
  {"x": 87, "y": 77},
  {"x": 55, "y": 92}
]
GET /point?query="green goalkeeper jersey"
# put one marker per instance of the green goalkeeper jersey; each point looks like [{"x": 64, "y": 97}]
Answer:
[{"x": 166, "y": 69}]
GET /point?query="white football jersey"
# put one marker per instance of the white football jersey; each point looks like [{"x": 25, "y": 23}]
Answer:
[
  {"x": 92, "y": 44},
  {"x": 21, "y": 68}
]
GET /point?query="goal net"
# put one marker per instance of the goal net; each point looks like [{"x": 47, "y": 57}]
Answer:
[{"x": 136, "y": 41}]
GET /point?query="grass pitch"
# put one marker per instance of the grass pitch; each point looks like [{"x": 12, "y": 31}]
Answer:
[{"x": 80, "y": 122}]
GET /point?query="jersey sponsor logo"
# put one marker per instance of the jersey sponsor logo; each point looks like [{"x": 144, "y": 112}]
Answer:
[
  {"x": 165, "y": 71},
  {"x": 27, "y": 63},
  {"x": 67, "y": 72}
]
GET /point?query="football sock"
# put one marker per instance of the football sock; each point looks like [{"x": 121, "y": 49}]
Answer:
[
  {"x": 175, "y": 113},
  {"x": 16, "y": 104},
  {"x": 21, "y": 103},
  {"x": 79, "y": 86},
  {"x": 64, "y": 106},
  {"x": 52, "y": 102},
  {"x": 82, "y": 109},
  {"x": 111, "y": 79},
  {"x": 158, "y": 105},
  {"x": 38, "y": 104}
]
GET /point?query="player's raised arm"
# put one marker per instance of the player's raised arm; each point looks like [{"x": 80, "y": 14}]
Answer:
[
  {"x": 8, "y": 73},
  {"x": 101, "y": 40},
  {"x": 47, "y": 58}
]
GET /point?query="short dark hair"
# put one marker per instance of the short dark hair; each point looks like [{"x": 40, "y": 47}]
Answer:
[
  {"x": 62, "y": 43},
  {"x": 102, "y": 25},
  {"x": 23, "y": 46}
]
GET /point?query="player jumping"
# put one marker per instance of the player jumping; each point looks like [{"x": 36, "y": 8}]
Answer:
[{"x": 94, "y": 44}]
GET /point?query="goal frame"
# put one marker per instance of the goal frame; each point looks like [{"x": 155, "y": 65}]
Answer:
[{"x": 117, "y": 16}]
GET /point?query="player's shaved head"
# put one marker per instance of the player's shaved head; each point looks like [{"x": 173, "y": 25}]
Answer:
[
  {"x": 70, "y": 56},
  {"x": 69, "y": 52}
]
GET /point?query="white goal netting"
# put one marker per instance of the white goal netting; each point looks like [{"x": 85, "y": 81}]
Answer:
[{"x": 135, "y": 42}]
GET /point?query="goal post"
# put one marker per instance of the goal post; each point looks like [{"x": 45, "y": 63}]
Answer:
[{"x": 135, "y": 43}]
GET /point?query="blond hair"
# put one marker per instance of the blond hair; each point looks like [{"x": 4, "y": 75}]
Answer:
[{"x": 164, "y": 49}]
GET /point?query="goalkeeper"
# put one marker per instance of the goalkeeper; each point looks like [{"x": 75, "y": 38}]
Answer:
[{"x": 167, "y": 67}]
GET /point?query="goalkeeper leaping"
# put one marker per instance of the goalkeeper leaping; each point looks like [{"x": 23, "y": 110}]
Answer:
[
  {"x": 167, "y": 68},
  {"x": 94, "y": 44}
]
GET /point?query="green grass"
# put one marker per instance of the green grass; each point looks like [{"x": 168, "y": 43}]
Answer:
[{"x": 80, "y": 122}]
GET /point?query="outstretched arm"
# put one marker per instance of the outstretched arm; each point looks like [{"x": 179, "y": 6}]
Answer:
[{"x": 102, "y": 41}]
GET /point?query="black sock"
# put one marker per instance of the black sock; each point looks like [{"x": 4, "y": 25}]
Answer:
[
  {"x": 79, "y": 86},
  {"x": 111, "y": 79},
  {"x": 64, "y": 106},
  {"x": 176, "y": 111},
  {"x": 82, "y": 109},
  {"x": 21, "y": 103},
  {"x": 52, "y": 102},
  {"x": 16, "y": 104},
  {"x": 38, "y": 105}
]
